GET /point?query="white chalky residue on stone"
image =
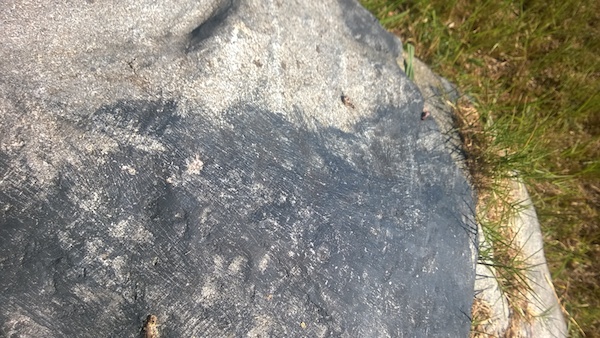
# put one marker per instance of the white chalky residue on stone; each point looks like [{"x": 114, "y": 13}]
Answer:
[
  {"x": 91, "y": 203},
  {"x": 143, "y": 143},
  {"x": 173, "y": 180},
  {"x": 129, "y": 169},
  {"x": 218, "y": 262},
  {"x": 129, "y": 229},
  {"x": 263, "y": 263},
  {"x": 261, "y": 327},
  {"x": 429, "y": 266},
  {"x": 237, "y": 265},
  {"x": 209, "y": 292},
  {"x": 16, "y": 323},
  {"x": 93, "y": 248},
  {"x": 194, "y": 165}
]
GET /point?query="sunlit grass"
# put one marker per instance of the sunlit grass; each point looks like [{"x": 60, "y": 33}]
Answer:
[{"x": 533, "y": 71}]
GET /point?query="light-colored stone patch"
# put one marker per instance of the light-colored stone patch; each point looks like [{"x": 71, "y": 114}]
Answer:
[
  {"x": 237, "y": 265},
  {"x": 93, "y": 247},
  {"x": 262, "y": 327},
  {"x": 44, "y": 172},
  {"x": 16, "y": 324},
  {"x": 173, "y": 180},
  {"x": 204, "y": 215},
  {"x": 129, "y": 169},
  {"x": 282, "y": 198},
  {"x": 194, "y": 165},
  {"x": 141, "y": 142},
  {"x": 90, "y": 204},
  {"x": 218, "y": 262},
  {"x": 129, "y": 229},
  {"x": 209, "y": 292},
  {"x": 264, "y": 263}
]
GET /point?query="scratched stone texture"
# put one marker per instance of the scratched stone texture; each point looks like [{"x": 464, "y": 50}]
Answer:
[{"x": 194, "y": 160}]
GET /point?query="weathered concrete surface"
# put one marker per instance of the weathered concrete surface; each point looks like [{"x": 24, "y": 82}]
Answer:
[
  {"x": 194, "y": 160},
  {"x": 547, "y": 319}
]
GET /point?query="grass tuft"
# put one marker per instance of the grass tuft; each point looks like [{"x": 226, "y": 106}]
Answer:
[{"x": 408, "y": 63}]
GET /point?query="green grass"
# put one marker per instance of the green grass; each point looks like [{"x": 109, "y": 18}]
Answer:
[{"x": 533, "y": 68}]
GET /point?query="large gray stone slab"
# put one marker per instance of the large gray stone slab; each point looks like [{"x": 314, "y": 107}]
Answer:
[{"x": 195, "y": 161}]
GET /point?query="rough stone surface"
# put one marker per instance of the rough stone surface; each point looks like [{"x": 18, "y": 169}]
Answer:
[
  {"x": 542, "y": 302},
  {"x": 440, "y": 96},
  {"x": 194, "y": 160}
]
